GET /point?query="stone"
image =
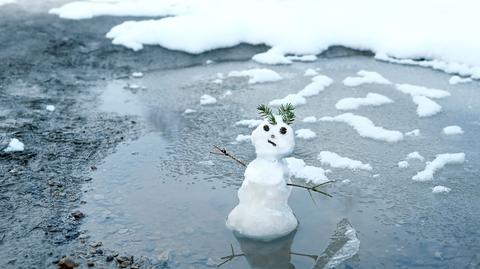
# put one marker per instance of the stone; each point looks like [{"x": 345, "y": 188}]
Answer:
[{"x": 67, "y": 263}]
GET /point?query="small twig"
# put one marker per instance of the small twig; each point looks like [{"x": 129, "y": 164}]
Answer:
[
  {"x": 223, "y": 151},
  {"x": 309, "y": 188},
  {"x": 229, "y": 257}
]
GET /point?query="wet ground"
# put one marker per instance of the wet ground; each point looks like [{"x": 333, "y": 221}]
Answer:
[{"x": 160, "y": 194}]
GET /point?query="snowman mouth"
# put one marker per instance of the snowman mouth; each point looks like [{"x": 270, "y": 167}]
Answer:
[{"x": 273, "y": 143}]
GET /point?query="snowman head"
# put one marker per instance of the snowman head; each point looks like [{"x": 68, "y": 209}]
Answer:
[{"x": 274, "y": 138}]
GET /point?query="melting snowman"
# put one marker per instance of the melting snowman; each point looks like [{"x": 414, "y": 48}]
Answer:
[{"x": 263, "y": 212}]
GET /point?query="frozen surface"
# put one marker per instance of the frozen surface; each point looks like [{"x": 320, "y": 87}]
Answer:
[
  {"x": 305, "y": 134},
  {"x": 294, "y": 99},
  {"x": 310, "y": 119},
  {"x": 372, "y": 99},
  {"x": 337, "y": 161},
  {"x": 415, "y": 90},
  {"x": 14, "y": 145},
  {"x": 365, "y": 77},
  {"x": 438, "y": 163},
  {"x": 258, "y": 75},
  {"x": 452, "y": 130},
  {"x": 365, "y": 127}
]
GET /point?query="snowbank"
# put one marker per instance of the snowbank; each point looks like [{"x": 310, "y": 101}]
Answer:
[
  {"x": 207, "y": 100},
  {"x": 365, "y": 77},
  {"x": 301, "y": 27},
  {"x": 452, "y": 130},
  {"x": 14, "y": 145},
  {"x": 365, "y": 127},
  {"x": 257, "y": 75},
  {"x": 372, "y": 99},
  {"x": 305, "y": 134},
  {"x": 438, "y": 163},
  {"x": 298, "y": 169},
  {"x": 4, "y": 2},
  {"x": 337, "y": 161}
]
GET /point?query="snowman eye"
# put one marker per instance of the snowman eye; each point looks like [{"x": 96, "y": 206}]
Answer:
[
  {"x": 266, "y": 128},
  {"x": 283, "y": 130}
]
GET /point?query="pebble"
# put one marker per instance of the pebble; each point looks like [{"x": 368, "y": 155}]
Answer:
[
  {"x": 67, "y": 263},
  {"x": 96, "y": 244},
  {"x": 78, "y": 215}
]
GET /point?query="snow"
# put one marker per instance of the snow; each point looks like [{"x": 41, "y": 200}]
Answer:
[
  {"x": 415, "y": 132},
  {"x": 50, "y": 108},
  {"x": 365, "y": 77},
  {"x": 257, "y": 75},
  {"x": 4, "y": 2},
  {"x": 302, "y": 58},
  {"x": 426, "y": 107},
  {"x": 189, "y": 111},
  {"x": 207, "y": 62},
  {"x": 249, "y": 123},
  {"x": 438, "y": 163},
  {"x": 310, "y": 72},
  {"x": 415, "y": 156},
  {"x": 295, "y": 27},
  {"x": 372, "y": 99},
  {"x": 218, "y": 81},
  {"x": 294, "y": 99},
  {"x": 318, "y": 84},
  {"x": 403, "y": 164},
  {"x": 306, "y": 134},
  {"x": 337, "y": 161},
  {"x": 452, "y": 130},
  {"x": 207, "y": 100},
  {"x": 271, "y": 56},
  {"x": 227, "y": 93},
  {"x": 441, "y": 189},
  {"x": 14, "y": 145},
  {"x": 457, "y": 80},
  {"x": 299, "y": 169},
  {"x": 415, "y": 90},
  {"x": 309, "y": 119},
  {"x": 242, "y": 138},
  {"x": 365, "y": 127},
  {"x": 137, "y": 74}
]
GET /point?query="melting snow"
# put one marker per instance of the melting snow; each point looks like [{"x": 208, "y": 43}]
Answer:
[
  {"x": 441, "y": 189},
  {"x": 305, "y": 134},
  {"x": 337, "y": 161},
  {"x": 50, "y": 108},
  {"x": 372, "y": 99},
  {"x": 4, "y": 2},
  {"x": 438, "y": 163},
  {"x": 189, "y": 111},
  {"x": 294, "y": 99},
  {"x": 248, "y": 123},
  {"x": 415, "y": 156},
  {"x": 365, "y": 77},
  {"x": 403, "y": 164},
  {"x": 415, "y": 90},
  {"x": 137, "y": 74},
  {"x": 14, "y": 145},
  {"x": 310, "y": 72},
  {"x": 415, "y": 132},
  {"x": 310, "y": 119},
  {"x": 426, "y": 107},
  {"x": 258, "y": 75},
  {"x": 456, "y": 80},
  {"x": 312, "y": 174},
  {"x": 319, "y": 83},
  {"x": 207, "y": 100},
  {"x": 365, "y": 127},
  {"x": 242, "y": 138},
  {"x": 452, "y": 130}
]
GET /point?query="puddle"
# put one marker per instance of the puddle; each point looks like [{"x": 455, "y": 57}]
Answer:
[{"x": 164, "y": 193}]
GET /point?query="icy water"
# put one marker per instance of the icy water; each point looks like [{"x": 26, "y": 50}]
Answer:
[{"x": 165, "y": 195}]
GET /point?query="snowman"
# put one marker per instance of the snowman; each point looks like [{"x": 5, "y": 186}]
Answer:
[{"x": 263, "y": 212}]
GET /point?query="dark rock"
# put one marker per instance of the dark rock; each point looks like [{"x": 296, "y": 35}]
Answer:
[
  {"x": 67, "y": 263},
  {"x": 109, "y": 258},
  {"x": 77, "y": 215}
]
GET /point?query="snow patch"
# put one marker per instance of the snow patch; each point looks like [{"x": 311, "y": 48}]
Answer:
[
  {"x": 305, "y": 134},
  {"x": 137, "y": 74},
  {"x": 313, "y": 174},
  {"x": 337, "y": 161},
  {"x": 415, "y": 156},
  {"x": 457, "y": 80},
  {"x": 50, "y": 108},
  {"x": 403, "y": 164},
  {"x": 415, "y": 132},
  {"x": 415, "y": 90},
  {"x": 189, "y": 111},
  {"x": 318, "y": 84},
  {"x": 310, "y": 119},
  {"x": 14, "y": 145},
  {"x": 257, "y": 75},
  {"x": 294, "y": 99},
  {"x": 452, "y": 130},
  {"x": 441, "y": 189},
  {"x": 365, "y": 77},
  {"x": 365, "y": 127},
  {"x": 242, "y": 138},
  {"x": 438, "y": 163},
  {"x": 310, "y": 72},
  {"x": 372, "y": 99},
  {"x": 207, "y": 100},
  {"x": 426, "y": 107},
  {"x": 249, "y": 123}
]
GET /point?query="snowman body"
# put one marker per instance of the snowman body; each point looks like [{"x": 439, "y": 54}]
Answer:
[{"x": 263, "y": 212}]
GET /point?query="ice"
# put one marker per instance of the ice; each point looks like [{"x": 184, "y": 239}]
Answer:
[
  {"x": 415, "y": 90},
  {"x": 365, "y": 77},
  {"x": 207, "y": 100},
  {"x": 137, "y": 74},
  {"x": 310, "y": 72},
  {"x": 438, "y": 163},
  {"x": 456, "y": 80},
  {"x": 248, "y": 123},
  {"x": 403, "y": 164},
  {"x": 258, "y": 75},
  {"x": 441, "y": 189},
  {"x": 14, "y": 145},
  {"x": 372, "y": 99},
  {"x": 189, "y": 111},
  {"x": 365, "y": 127},
  {"x": 415, "y": 132},
  {"x": 452, "y": 130},
  {"x": 263, "y": 212},
  {"x": 310, "y": 119},
  {"x": 415, "y": 156},
  {"x": 242, "y": 138},
  {"x": 50, "y": 108},
  {"x": 294, "y": 99},
  {"x": 299, "y": 169},
  {"x": 337, "y": 161},
  {"x": 306, "y": 134},
  {"x": 318, "y": 84},
  {"x": 426, "y": 107}
]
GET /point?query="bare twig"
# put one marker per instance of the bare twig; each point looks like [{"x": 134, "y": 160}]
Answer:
[
  {"x": 230, "y": 257},
  {"x": 223, "y": 151}
]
